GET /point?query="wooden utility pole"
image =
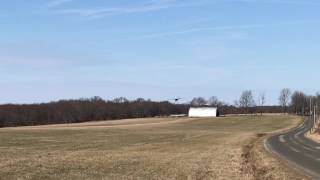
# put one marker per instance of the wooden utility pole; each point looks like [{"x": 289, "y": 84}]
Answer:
[
  {"x": 314, "y": 117},
  {"x": 310, "y": 112},
  {"x": 310, "y": 106}
]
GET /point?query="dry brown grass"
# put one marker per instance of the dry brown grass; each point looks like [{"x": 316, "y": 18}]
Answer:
[
  {"x": 314, "y": 136},
  {"x": 222, "y": 148}
]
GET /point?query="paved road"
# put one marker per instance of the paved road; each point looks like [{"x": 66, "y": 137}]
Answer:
[{"x": 303, "y": 153}]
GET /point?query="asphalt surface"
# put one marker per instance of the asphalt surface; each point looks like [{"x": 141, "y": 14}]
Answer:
[{"x": 298, "y": 150}]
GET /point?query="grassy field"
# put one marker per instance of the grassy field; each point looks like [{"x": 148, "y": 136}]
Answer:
[{"x": 222, "y": 148}]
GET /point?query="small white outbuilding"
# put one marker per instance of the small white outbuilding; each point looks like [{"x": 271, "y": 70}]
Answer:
[{"x": 203, "y": 112}]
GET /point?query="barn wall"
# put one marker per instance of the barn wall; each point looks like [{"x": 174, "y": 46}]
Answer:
[{"x": 203, "y": 112}]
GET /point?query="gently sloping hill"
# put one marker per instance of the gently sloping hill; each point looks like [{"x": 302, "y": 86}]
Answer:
[{"x": 138, "y": 149}]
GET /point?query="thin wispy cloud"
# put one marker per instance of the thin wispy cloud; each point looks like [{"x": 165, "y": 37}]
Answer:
[
  {"x": 99, "y": 12},
  {"x": 57, "y": 3},
  {"x": 291, "y": 2},
  {"x": 234, "y": 27},
  {"x": 156, "y": 5},
  {"x": 159, "y": 1},
  {"x": 147, "y": 6}
]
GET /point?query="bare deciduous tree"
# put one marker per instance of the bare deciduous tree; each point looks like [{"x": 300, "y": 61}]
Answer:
[
  {"x": 246, "y": 99},
  {"x": 262, "y": 101},
  {"x": 120, "y": 100},
  {"x": 284, "y": 98},
  {"x": 199, "y": 101},
  {"x": 214, "y": 101},
  {"x": 299, "y": 102},
  {"x": 236, "y": 103}
]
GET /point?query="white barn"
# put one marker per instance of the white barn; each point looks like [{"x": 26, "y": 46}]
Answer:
[{"x": 203, "y": 112}]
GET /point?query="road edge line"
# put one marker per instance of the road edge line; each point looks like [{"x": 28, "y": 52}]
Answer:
[{"x": 283, "y": 159}]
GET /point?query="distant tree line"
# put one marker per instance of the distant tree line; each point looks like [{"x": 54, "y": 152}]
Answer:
[
  {"x": 84, "y": 110},
  {"x": 297, "y": 103},
  {"x": 95, "y": 109},
  {"x": 245, "y": 105}
]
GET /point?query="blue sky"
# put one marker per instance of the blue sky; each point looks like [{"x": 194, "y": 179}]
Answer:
[{"x": 158, "y": 49}]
